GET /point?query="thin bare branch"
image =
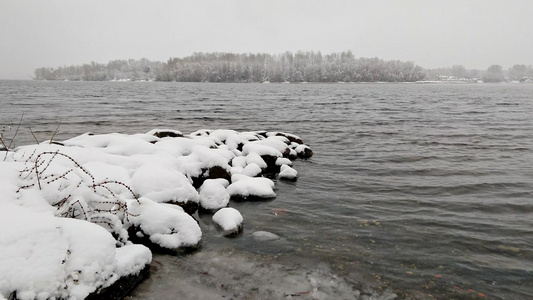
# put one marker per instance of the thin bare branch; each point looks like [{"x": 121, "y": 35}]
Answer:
[
  {"x": 36, "y": 141},
  {"x": 16, "y": 131},
  {"x": 55, "y": 132}
]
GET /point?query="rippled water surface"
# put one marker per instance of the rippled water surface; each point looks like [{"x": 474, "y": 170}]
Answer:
[{"x": 422, "y": 189}]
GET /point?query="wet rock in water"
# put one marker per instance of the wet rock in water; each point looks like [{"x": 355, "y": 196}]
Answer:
[
  {"x": 304, "y": 151},
  {"x": 264, "y": 236},
  {"x": 291, "y": 137},
  {"x": 288, "y": 173},
  {"x": 229, "y": 220}
]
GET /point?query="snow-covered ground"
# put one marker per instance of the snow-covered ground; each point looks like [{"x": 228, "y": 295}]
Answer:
[{"x": 71, "y": 212}]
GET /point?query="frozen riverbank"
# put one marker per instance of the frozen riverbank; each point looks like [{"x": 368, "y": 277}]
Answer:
[{"x": 72, "y": 211}]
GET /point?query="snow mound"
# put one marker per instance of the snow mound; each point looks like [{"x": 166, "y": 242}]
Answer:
[
  {"x": 60, "y": 257},
  {"x": 162, "y": 183},
  {"x": 213, "y": 194},
  {"x": 165, "y": 226}
]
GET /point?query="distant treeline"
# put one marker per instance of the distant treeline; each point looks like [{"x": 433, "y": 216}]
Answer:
[
  {"x": 287, "y": 67},
  {"x": 230, "y": 67}
]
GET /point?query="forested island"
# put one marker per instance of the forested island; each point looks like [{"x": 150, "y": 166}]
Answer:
[{"x": 287, "y": 67}]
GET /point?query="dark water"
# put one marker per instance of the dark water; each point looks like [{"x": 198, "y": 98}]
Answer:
[{"x": 424, "y": 189}]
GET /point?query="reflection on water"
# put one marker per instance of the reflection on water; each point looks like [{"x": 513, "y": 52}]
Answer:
[{"x": 420, "y": 190}]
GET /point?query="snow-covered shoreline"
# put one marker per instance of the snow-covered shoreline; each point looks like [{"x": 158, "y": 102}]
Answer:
[{"x": 72, "y": 213}]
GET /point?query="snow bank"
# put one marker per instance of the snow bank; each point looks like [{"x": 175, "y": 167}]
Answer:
[
  {"x": 90, "y": 197},
  {"x": 59, "y": 257}
]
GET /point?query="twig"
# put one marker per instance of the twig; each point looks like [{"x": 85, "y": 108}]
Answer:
[
  {"x": 16, "y": 131},
  {"x": 36, "y": 141},
  {"x": 12, "y": 139},
  {"x": 55, "y": 132},
  {"x": 2, "y": 141},
  {"x": 54, "y": 154},
  {"x": 103, "y": 183}
]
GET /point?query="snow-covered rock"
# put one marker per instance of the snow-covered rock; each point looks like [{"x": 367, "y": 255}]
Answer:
[
  {"x": 161, "y": 133},
  {"x": 303, "y": 151},
  {"x": 252, "y": 170},
  {"x": 166, "y": 226},
  {"x": 229, "y": 219},
  {"x": 162, "y": 183},
  {"x": 286, "y": 172},
  {"x": 249, "y": 188},
  {"x": 213, "y": 194}
]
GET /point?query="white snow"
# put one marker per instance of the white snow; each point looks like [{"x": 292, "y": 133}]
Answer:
[
  {"x": 283, "y": 161},
  {"x": 261, "y": 148},
  {"x": 256, "y": 159},
  {"x": 65, "y": 210},
  {"x": 251, "y": 170},
  {"x": 239, "y": 161},
  {"x": 213, "y": 194},
  {"x": 59, "y": 257},
  {"x": 247, "y": 186},
  {"x": 229, "y": 219},
  {"x": 168, "y": 228},
  {"x": 162, "y": 183}
]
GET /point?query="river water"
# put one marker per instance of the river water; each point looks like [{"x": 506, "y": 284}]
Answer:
[{"x": 422, "y": 190}]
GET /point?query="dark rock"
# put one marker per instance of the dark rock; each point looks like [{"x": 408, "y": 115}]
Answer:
[
  {"x": 291, "y": 138},
  {"x": 231, "y": 233},
  {"x": 162, "y": 134},
  {"x": 287, "y": 153},
  {"x": 211, "y": 173},
  {"x": 305, "y": 153},
  {"x": 262, "y": 133},
  {"x": 189, "y": 207},
  {"x": 219, "y": 172},
  {"x": 271, "y": 168},
  {"x": 122, "y": 287}
]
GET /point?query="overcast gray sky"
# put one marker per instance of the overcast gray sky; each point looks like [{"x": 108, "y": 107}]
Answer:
[{"x": 432, "y": 33}]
